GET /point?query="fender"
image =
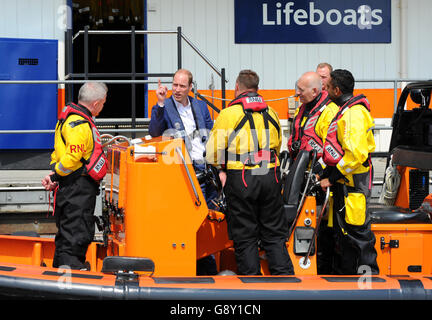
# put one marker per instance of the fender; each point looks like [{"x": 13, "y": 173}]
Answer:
[{"x": 96, "y": 165}]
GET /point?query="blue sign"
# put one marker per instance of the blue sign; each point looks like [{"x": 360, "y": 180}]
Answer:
[{"x": 312, "y": 21}]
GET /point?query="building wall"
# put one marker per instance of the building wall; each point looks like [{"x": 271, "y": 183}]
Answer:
[
  {"x": 209, "y": 24},
  {"x": 35, "y": 19},
  {"x": 419, "y": 39}
]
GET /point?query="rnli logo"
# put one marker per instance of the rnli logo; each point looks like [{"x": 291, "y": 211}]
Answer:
[
  {"x": 315, "y": 146},
  {"x": 332, "y": 152},
  {"x": 77, "y": 148},
  {"x": 254, "y": 100},
  {"x": 99, "y": 165}
]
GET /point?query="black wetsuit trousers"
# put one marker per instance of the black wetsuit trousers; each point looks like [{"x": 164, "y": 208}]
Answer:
[
  {"x": 256, "y": 218},
  {"x": 355, "y": 245},
  {"x": 75, "y": 221}
]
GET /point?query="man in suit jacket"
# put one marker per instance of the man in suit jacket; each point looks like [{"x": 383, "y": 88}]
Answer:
[{"x": 183, "y": 116}]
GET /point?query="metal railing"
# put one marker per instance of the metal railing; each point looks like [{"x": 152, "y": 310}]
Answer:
[
  {"x": 395, "y": 82},
  {"x": 203, "y": 97},
  {"x": 71, "y": 77},
  {"x": 133, "y": 74}
]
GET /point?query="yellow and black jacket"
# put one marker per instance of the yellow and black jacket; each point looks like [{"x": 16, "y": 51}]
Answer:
[
  {"x": 73, "y": 141},
  {"x": 350, "y": 139},
  {"x": 233, "y": 143}
]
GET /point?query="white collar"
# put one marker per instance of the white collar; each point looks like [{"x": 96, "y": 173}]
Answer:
[{"x": 179, "y": 105}]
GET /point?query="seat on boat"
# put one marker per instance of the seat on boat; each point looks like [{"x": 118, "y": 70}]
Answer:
[
  {"x": 396, "y": 215},
  {"x": 293, "y": 184},
  {"x": 412, "y": 157},
  {"x": 115, "y": 264}
]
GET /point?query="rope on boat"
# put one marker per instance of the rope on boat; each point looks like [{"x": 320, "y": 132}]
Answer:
[
  {"x": 269, "y": 100},
  {"x": 391, "y": 184}
]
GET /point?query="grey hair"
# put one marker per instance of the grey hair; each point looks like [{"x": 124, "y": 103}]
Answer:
[{"x": 92, "y": 91}]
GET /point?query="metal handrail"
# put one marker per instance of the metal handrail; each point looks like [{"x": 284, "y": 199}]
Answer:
[
  {"x": 75, "y": 81},
  {"x": 195, "y": 48},
  {"x": 395, "y": 86},
  {"x": 133, "y": 32},
  {"x": 197, "y": 198},
  {"x": 123, "y": 32},
  {"x": 183, "y": 36}
]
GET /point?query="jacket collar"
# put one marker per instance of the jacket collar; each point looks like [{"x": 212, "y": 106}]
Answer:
[
  {"x": 313, "y": 103},
  {"x": 174, "y": 116},
  {"x": 341, "y": 100},
  {"x": 83, "y": 109}
]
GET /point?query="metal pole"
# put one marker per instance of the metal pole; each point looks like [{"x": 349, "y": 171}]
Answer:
[
  {"x": 69, "y": 64},
  {"x": 395, "y": 99},
  {"x": 223, "y": 87},
  {"x": 133, "y": 86},
  {"x": 108, "y": 32},
  {"x": 86, "y": 52},
  {"x": 179, "y": 48}
]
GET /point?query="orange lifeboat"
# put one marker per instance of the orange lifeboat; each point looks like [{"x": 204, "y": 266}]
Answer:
[{"x": 156, "y": 225}]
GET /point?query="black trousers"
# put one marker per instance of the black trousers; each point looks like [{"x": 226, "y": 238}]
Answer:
[
  {"x": 206, "y": 266},
  {"x": 355, "y": 244},
  {"x": 75, "y": 221},
  {"x": 325, "y": 248},
  {"x": 255, "y": 218},
  {"x": 208, "y": 190}
]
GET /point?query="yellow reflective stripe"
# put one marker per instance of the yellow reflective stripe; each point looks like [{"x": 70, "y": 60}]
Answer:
[{"x": 63, "y": 169}]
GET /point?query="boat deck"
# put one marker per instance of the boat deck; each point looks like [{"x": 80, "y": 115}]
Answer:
[{"x": 24, "y": 203}]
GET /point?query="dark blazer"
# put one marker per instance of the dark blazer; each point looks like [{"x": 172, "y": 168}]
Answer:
[{"x": 169, "y": 118}]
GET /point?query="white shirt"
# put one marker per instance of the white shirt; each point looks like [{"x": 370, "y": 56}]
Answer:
[{"x": 188, "y": 120}]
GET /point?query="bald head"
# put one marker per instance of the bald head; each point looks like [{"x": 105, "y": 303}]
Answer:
[{"x": 309, "y": 86}]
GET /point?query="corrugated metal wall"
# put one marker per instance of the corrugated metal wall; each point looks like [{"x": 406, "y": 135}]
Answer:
[
  {"x": 35, "y": 19},
  {"x": 31, "y": 18},
  {"x": 419, "y": 39},
  {"x": 210, "y": 25}
]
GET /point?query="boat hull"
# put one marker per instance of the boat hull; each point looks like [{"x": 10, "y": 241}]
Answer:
[{"x": 21, "y": 281}]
